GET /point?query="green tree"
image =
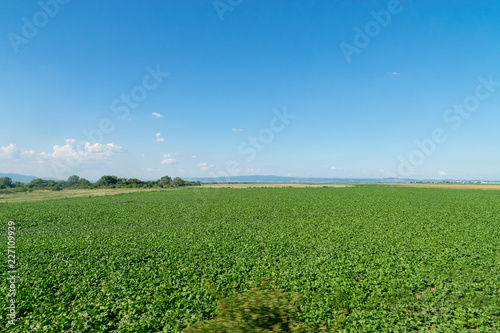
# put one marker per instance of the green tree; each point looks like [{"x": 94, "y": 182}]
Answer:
[
  {"x": 59, "y": 185},
  {"x": 134, "y": 182},
  {"x": 107, "y": 181},
  {"x": 38, "y": 183},
  {"x": 6, "y": 182},
  {"x": 164, "y": 181},
  {"x": 122, "y": 182},
  {"x": 72, "y": 181},
  {"x": 178, "y": 181},
  {"x": 84, "y": 183}
]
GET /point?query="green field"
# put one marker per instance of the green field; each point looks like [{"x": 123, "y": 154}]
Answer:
[{"x": 363, "y": 258}]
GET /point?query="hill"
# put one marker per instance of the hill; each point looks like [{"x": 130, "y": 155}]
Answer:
[{"x": 22, "y": 178}]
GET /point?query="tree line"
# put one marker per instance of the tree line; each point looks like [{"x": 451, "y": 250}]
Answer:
[{"x": 75, "y": 182}]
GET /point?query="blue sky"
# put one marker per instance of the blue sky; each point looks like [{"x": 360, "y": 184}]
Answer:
[{"x": 226, "y": 72}]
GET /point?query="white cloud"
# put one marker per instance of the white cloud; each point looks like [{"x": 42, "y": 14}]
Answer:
[
  {"x": 157, "y": 115},
  {"x": 28, "y": 153},
  {"x": 159, "y": 138},
  {"x": 394, "y": 73},
  {"x": 194, "y": 156},
  {"x": 107, "y": 149},
  {"x": 442, "y": 173},
  {"x": 250, "y": 170},
  {"x": 7, "y": 152},
  {"x": 168, "y": 161},
  {"x": 238, "y": 130},
  {"x": 180, "y": 170},
  {"x": 205, "y": 166},
  {"x": 72, "y": 150},
  {"x": 61, "y": 161},
  {"x": 333, "y": 168}
]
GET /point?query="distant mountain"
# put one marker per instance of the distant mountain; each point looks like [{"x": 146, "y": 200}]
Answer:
[
  {"x": 276, "y": 179},
  {"x": 22, "y": 178},
  {"x": 281, "y": 179}
]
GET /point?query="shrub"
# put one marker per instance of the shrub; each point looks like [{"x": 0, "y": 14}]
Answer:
[{"x": 261, "y": 309}]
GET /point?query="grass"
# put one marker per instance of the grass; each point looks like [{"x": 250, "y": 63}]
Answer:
[
  {"x": 457, "y": 186},
  {"x": 41, "y": 195},
  {"x": 272, "y": 185},
  {"x": 359, "y": 259},
  {"x": 77, "y": 193},
  {"x": 66, "y": 194}
]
